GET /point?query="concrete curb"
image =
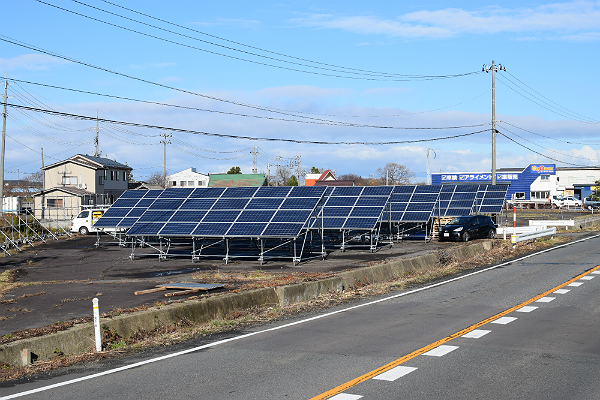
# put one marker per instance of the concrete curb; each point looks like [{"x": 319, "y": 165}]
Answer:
[{"x": 80, "y": 339}]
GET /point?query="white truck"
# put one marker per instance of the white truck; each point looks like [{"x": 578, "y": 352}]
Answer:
[
  {"x": 84, "y": 222},
  {"x": 565, "y": 201}
]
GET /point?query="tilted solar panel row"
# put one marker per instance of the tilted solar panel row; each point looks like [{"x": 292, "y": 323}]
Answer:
[
  {"x": 217, "y": 212},
  {"x": 352, "y": 208}
]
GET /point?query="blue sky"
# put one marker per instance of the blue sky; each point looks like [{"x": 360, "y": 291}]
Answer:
[{"x": 332, "y": 71}]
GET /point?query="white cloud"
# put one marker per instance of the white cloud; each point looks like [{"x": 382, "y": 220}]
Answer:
[
  {"x": 579, "y": 16},
  {"x": 29, "y": 62}
]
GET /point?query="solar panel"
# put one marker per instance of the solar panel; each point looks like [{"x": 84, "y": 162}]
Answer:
[
  {"x": 123, "y": 213},
  {"x": 413, "y": 203},
  {"x": 490, "y": 199},
  {"x": 458, "y": 200},
  {"x": 229, "y": 212},
  {"x": 352, "y": 207}
]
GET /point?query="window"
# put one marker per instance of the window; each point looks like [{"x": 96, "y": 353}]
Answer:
[
  {"x": 200, "y": 183},
  {"x": 112, "y": 175},
  {"x": 124, "y": 175},
  {"x": 519, "y": 195},
  {"x": 591, "y": 179},
  {"x": 572, "y": 179},
  {"x": 543, "y": 195},
  {"x": 545, "y": 177},
  {"x": 116, "y": 175},
  {"x": 69, "y": 180},
  {"x": 190, "y": 183},
  {"x": 182, "y": 183},
  {"x": 101, "y": 180},
  {"x": 54, "y": 203},
  {"x": 174, "y": 183}
]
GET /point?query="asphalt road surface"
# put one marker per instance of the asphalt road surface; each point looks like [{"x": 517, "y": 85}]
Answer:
[{"x": 527, "y": 329}]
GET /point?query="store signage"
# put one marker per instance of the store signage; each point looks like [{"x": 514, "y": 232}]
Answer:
[
  {"x": 542, "y": 169},
  {"x": 477, "y": 177}
]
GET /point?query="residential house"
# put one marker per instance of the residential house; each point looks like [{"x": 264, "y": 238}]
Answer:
[{"x": 77, "y": 181}]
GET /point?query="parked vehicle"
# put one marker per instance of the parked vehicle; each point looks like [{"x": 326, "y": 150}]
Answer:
[
  {"x": 468, "y": 227},
  {"x": 84, "y": 222},
  {"x": 565, "y": 201},
  {"x": 591, "y": 204}
]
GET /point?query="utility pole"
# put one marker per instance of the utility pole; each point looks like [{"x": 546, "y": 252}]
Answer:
[
  {"x": 97, "y": 153},
  {"x": 277, "y": 171},
  {"x": 298, "y": 169},
  {"x": 3, "y": 143},
  {"x": 428, "y": 167},
  {"x": 269, "y": 174},
  {"x": 254, "y": 151},
  {"x": 165, "y": 142},
  {"x": 493, "y": 68}
]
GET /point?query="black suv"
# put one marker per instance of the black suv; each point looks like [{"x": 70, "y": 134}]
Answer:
[{"x": 468, "y": 227}]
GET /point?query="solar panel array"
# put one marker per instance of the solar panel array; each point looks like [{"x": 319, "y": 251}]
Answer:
[
  {"x": 352, "y": 207},
  {"x": 414, "y": 203},
  {"x": 285, "y": 211},
  {"x": 127, "y": 209},
  {"x": 490, "y": 199},
  {"x": 229, "y": 212}
]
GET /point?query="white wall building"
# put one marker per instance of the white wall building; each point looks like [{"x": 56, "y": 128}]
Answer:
[{"x": 187, "y": 178}]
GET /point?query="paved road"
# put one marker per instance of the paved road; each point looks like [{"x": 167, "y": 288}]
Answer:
[{"x": 550, "y": 352}]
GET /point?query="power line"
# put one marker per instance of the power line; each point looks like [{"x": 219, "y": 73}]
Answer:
[
  {"x": 556, "y": 104},
  {"x": 361, "y": 75},
  {"x": 547, "y": 106},
  {"x": 83, "y": 117},
  {"x": 315, "y": 121},
  {"x": 541, "y": 154},
  {"x": 548, "y": 137},
  {"x": 272, "y": 52},
  {"x": 545, "y": 148}
]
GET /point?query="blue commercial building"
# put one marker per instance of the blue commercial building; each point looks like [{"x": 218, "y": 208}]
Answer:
[{"x": 534, "y": 183}]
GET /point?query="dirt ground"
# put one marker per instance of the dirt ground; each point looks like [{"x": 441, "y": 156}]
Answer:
[{"x": 55, "y": 282}]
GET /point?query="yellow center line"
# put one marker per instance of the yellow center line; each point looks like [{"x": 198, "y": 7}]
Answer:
[{"x": 343, "y": 387}]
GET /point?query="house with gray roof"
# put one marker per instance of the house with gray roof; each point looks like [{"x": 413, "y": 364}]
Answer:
[{"x": 77, "y": 181}]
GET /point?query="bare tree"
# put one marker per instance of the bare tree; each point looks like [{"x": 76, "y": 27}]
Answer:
[
  {"x": 394, "y": 174},
  {"x": 358, "y": 180},
  {"x": 158, "y": 179},
  {"x": 283, "y": 175}
]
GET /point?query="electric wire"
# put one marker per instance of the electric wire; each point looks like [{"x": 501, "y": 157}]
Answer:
[
  {"x": 273, "y": 110},
  {"x": 536, "y": 152},
  {"x": 552, "y": 102},
  {"x": 184, "y": 150},
  {"x": 539, "y": 103},
  {"x": 380, "y": 75},
  {"x": 545, "y": 148},
  {"x": 46, "y": 136},
  {"x": 104, "y": 120},
  {"x": 547, "y": 137},
  {"x": 258, "y": 48},
  {"x": 315, "y": 121}
]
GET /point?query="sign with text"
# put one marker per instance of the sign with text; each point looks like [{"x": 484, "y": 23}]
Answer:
[
  {"x": 478, "y": 177},
  {"x": 543, "y": 169}
]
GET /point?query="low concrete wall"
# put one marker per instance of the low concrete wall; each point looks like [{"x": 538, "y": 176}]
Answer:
[
  {"x": 79, "y": 339},
  {"x": 587, "y": 222}
]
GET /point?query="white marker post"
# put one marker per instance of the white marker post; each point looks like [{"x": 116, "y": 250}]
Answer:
[
  {"x": 97, "y": 324},
  {"x": 513, "y": 238}
]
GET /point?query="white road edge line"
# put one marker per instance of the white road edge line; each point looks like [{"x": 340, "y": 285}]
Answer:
[{"x": 276, "y": 328}]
